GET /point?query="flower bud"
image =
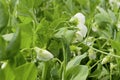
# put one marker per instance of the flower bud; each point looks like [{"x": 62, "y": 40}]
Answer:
[
  {"x": 92, "y": 54},
  {"x": 105, "y": 60},
  {"x": 42, "y": 54},
  {"x": 112, "y": 66}
]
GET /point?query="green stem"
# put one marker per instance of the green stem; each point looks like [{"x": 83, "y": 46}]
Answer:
[
  {"x": 64, "y": 64},
  {"x": 105, "y": 43},
  {"x": 66, "y": 55},
  {"x": 110, "y": 74},
  {"x": 95, "y": 64},
  {"x": 105, "y": 53},
  {"x": 44, "y": 72}
]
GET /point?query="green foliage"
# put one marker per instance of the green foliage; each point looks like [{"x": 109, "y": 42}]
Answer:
[
  {"x": 45, "y": 25},
  {"x": 2, "y": 49},
  {"x": 22, "y": 72},
  {"x": 3, "y": 15},
  {"x": 14, "y": 45},
  {"x": 7, "y": 73},
  {"x": 27, "y": 71}
]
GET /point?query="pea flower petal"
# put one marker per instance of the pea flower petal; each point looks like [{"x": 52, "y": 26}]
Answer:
[
  {"x": 42, "y": 54},
  {"x": 79, "y": 18},
  {"x": 4, "y": 65},
  {"x": 83, "y": 29},
  {"x": 79, "y": 36}
]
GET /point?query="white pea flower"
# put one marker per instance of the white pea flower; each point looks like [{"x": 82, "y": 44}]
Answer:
[
  {"x": 42, "y": 54},
  {"x": 82, "y": 29},
  {"x": 79, "y": 18},
  {"x": 81, "y": 33}
]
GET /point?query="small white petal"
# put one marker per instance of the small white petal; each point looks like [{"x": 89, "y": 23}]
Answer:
[
  {"x": 79, "y": 17},
  {"x": 8, "y": 37},
  {"x": 79, "y": 36},
  {"x": 81, "y": 33},
  {"x": 83, "y": 29}
]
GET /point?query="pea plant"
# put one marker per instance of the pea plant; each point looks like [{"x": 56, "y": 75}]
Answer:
[{"x": 59, "y": 39}]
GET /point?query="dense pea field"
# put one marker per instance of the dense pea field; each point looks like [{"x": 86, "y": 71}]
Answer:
[{"x": 59, "y": 39}]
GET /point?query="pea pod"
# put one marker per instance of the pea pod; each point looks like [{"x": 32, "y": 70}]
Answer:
[{"x": 14, "y": 45}]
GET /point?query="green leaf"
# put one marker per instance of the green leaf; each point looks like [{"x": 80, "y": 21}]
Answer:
[
  {"x": 3, "y": 16},
  {"x": 69, "y": 34},
  {"x": 18, "y": 60},
  {"x": 2, "y": 49},
  {"x": 37, "y": 3},
  {"x": 55, "y": 71},
  {"x": 75, "y": 61},
  {"x": 77, "y": 72},
  {"x": 102, "y": 18},
  {"x": 117, "y": 36},
  {"x": 27, "y": 71},
  {"x": 14, "y": 45},
  {"x": 97, "y": 72},
  {"x": 54, "y": 49},
  {"x": 25, "y": 20},
  {"x": 115, "y": 45},
  {"x": 65, "y": 33},
  {"x": 7, "y": 73},
  {"x": 112, "y": 16},
  {"x": 12, "y": 4},
  {"x": 60, "y": 33},
  {"x": 69, "y": 4},
  {"x": 93, "y": 4},
  {"x": 82, "y": 2},
  {"x": 104, "y": 74},
  {"x": 26, "y": 35},
  {"x": 25, "y": 7},
  {"x": 83, "y": 73}
]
